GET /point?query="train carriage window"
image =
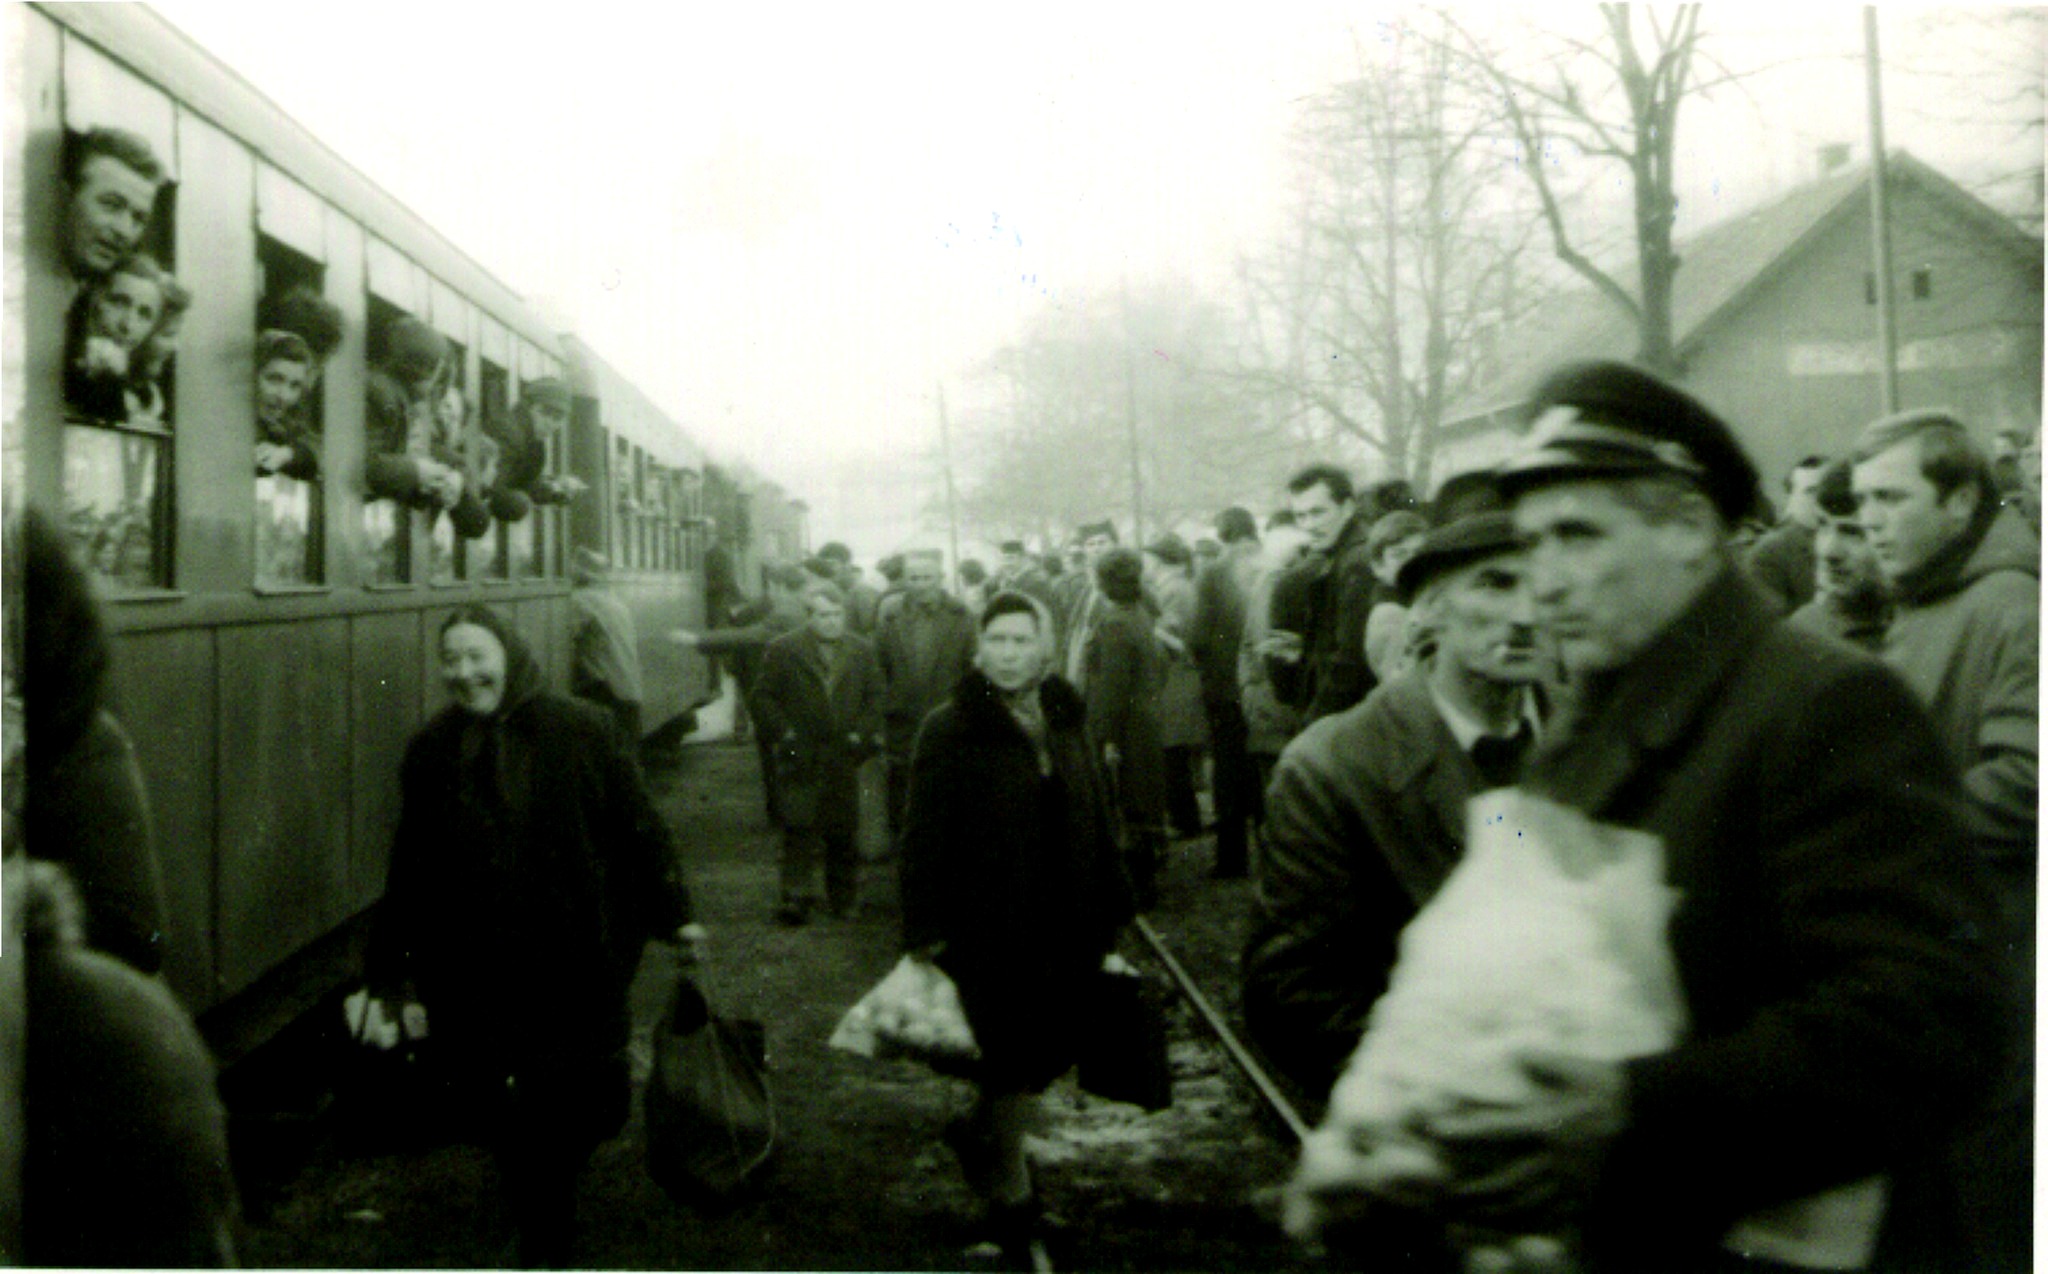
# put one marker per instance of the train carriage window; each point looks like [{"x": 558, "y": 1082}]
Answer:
[
  {"x": 403, "y": 478},
  {"x": 623, "y": 503},
  {"x": 120, "y": 338},
  {"x": 297, "y": 331}
]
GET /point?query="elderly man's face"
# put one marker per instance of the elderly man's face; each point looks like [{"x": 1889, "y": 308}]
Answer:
[
  {"x": 110, "y": 210},
  {"x": 1906, "y": 521},
  {"x": 1605, "y": 579},
  {"x": 1485, "y": 620}
]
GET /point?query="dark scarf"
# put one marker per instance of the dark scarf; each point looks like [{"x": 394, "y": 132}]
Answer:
[{"x": 493, "y": 792}]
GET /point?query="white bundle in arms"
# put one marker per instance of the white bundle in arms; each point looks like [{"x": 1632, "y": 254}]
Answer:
[{"x": 1549, "y": 937}]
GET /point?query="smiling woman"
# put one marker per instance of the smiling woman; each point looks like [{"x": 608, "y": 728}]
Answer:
[{"x": 529, "y": 869}]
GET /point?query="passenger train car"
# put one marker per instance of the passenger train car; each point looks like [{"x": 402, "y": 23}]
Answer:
[{"x": 274, "y": 636}]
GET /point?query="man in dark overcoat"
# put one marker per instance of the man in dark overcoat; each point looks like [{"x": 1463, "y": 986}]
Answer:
[
  {"x": 1844, "y": 1011},
  {"x": 1122, "y": 669},
  {"x": 924, "y": 645},
  {"x": 819, "y": 706},
  {"x": 1366, "y": 814}
]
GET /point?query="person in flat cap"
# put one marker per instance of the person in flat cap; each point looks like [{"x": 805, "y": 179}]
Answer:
[
  {"x": 1843, "y": 1008},
  {"x": 1365, "y": 816}
]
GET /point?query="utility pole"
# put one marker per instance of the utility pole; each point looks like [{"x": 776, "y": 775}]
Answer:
[
  {"x": 946, "y": 460},
  {"x": 1880, "y": 224},
  {"x": 1131, "y": 420}
]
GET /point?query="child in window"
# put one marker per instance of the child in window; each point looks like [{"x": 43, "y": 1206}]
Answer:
[{"x": 285, "y": 442}]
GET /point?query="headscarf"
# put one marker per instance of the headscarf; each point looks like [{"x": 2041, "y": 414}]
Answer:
[{"x": 491, "y": 789}]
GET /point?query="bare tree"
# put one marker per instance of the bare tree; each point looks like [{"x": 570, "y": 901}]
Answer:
[
  {"x": 1611, "y": 98},
  {"x": 1048, "y": 443},
  {"x": 1375, "y": 318}
]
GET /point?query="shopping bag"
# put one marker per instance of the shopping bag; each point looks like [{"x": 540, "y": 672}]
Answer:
[
  {"x": 711, "y": 1127},
  {"x": 390, "y": 1091},
  {"x": 1549, "y": 937},
  {"x": 1123, "y": 1042},
  {"x": 914, "y": 1011}
]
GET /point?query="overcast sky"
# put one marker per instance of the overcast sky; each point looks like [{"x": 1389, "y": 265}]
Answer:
[{"x": 789, "y": 223}]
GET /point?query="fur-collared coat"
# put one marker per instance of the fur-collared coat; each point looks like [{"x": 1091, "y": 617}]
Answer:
[{"x": 1015, "y": 871}]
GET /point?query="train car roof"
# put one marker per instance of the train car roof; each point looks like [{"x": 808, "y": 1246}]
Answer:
[
  {"x": 628, "y": 411},
  {"x": 160, "y": 52}
]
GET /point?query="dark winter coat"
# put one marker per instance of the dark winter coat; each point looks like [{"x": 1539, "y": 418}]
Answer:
[
  {"x": 125, "y": 1148},
  {"x": 754, "y": 625},
  {"x": 1124, "y": 673},
  {"x": 391, "y": 470},
  {"x": 529, "y": 869},
  {"x": 1843, "y": 1007},
  {"x": 1015, "y": 872},
  {"x": 924, "y": 648},
  {"x": 1365, "y": 818},
  {"x": 1339, "y": 589},
  {"x": 81, "y": 800},
  {"x": 1182, "y": 723},
  {"x": 1216, "y": 629},
  {"x": 1781, "y": 563},
  {"x": 819, "y": 733},
  {"x": 296, "y": 432}
]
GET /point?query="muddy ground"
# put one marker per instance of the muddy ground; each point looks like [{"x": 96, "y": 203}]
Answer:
[{"x": 863, "y": 1181}]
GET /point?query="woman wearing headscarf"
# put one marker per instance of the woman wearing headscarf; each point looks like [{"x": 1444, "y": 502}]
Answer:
[
  {"x": 1012, "y": 885},
  {"x": 529, "y": 870}
]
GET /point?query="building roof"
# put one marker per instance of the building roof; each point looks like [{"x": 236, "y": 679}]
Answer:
[{"x": 1721, "y": 267}]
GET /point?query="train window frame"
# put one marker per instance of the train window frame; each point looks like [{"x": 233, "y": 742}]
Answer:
[
  {"x": 379, "y": 311},
  {"x": 276, "y": 257},
  {"x": 121, "y": 100}
]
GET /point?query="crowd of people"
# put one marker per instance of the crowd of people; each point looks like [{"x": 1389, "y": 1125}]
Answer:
[{"x": 1829, "y": 724}]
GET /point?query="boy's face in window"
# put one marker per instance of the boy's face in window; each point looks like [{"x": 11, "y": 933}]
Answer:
[
  {"x": 126, "y": 310},
  {"x": 109, "y": 211},
  {"x": 280, "y": 385}
]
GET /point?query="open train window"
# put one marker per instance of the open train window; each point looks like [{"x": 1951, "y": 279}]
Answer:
[
  {"x": 120, "y": 339},
  {"x": 387, "y": 523},
  {"x": 458, "y": 556},
  {"x": 297, "y": 331}
]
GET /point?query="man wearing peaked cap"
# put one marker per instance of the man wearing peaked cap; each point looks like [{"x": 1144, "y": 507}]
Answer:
[
  {"x": 1844, "y": 1012},
  {"x": 1365, "y": 816},
  {"x": 1615, "y": 419}
]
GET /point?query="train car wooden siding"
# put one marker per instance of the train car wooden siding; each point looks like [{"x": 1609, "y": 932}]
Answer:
[{"x": 275, "y": 644}]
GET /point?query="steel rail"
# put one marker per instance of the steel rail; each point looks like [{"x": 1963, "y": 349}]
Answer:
[{"x": 1253, "y": 1071}]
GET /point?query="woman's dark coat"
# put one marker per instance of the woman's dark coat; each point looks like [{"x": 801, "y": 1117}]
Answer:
[
  {"x": 819, "y": 734},
  {"x": 529, "y": 869},
  {"x": 1015, "y": 872}
]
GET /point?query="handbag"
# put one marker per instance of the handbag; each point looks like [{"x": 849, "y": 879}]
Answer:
[
  {"x": 1123, "y": 1043},
  {"x": 711, "y": 1126}
]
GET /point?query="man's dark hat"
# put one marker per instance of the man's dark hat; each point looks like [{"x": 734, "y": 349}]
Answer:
[
  {"x": 1469, "y": 521},
  {"x": 546, "y": 389},
  {"x": 1013, "y": 546},
  {"x": 1089, "y": 530},
  {"x": 1613, "y": 419}
]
